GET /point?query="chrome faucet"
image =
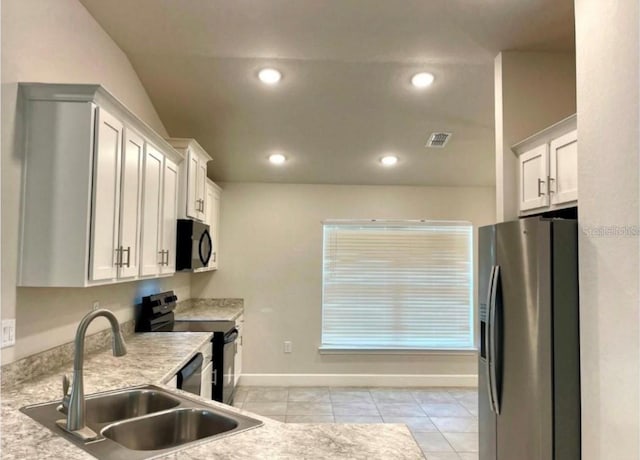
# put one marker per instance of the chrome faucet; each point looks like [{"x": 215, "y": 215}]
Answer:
[{"x": 74, "y": 403}]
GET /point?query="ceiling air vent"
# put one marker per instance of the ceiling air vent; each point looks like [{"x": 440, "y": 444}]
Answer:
[{"x": 438, "y": 140}]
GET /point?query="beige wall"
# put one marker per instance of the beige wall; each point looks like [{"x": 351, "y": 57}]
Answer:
[
  {"x": 271, "y": 255},
  {"x": 57, "y": 41},
  {"x": 533, "y": 90},
  {"x": 607, "y": 43}
]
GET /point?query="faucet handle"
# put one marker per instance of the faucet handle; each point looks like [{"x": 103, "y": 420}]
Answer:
[{"x": 65, "y": 385}]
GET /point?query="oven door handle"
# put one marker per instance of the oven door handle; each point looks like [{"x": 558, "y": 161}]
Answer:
[{"x": 231, "y": 337}]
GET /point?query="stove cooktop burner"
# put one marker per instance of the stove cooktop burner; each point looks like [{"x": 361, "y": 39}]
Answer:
[{"x": 197, "y": 326}]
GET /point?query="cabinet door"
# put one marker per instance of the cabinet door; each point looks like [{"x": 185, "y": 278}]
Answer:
[
  {"x": 533, "y": 178},
  {"x": 201, "y": 192},
  {"x": 563, "y": 168},
  {"x": 212, "y": 212},
  {"x": 106, "y": 197},
  {"x": 169, "y": 216},
  {"x": 130, "y": 191},
  {"x": 150, "y": 257},
  {"x": 193, "y": 205},
  {"x": 237, "y": 363}
]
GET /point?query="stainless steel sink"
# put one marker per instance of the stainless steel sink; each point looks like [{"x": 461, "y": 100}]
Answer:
[
  {"x": 169, "y": 429},
  {"x": 127, "y": 404},
  {"x": 144, "y": 422}
]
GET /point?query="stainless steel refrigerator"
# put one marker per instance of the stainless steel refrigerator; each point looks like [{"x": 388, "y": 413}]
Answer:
[{"x": 529, "y": 361}]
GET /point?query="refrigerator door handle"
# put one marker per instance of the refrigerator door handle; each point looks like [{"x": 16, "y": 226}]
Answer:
[
  {"x": 493, "y": 345},
  {"x": 487, "y": 337}
]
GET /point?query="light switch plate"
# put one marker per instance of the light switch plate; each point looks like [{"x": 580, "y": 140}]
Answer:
[
  {"x": 288, "y": 347},
  {"x": 8, "y": 332}
]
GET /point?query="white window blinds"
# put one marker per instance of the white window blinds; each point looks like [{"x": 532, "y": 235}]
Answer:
[{"x": 400, "y": 285}]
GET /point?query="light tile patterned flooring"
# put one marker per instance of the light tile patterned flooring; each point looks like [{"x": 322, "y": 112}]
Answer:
[{"x": 443, "y": 421}]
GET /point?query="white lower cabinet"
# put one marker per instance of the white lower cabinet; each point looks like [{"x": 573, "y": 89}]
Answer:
[
  {"x": 548, "y": 169},
  {"x": 100, "y": 190},
  {"x": 237, "y": 363}
]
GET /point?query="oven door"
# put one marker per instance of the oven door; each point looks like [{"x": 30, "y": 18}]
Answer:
[{"x": 228, "y": 371}]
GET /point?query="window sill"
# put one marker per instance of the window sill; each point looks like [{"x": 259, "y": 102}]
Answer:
[{"x": 395, "y": 351}]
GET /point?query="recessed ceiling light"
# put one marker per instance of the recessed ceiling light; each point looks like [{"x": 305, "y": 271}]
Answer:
[
  {"x": 389, "y": 160},
  {"x": 277, "y": 158},
  {"x": 269, "y": 76},
  {"x": 422, "y": 79}
]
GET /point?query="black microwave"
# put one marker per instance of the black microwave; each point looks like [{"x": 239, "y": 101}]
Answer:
[{"x": 193, "y": 245}]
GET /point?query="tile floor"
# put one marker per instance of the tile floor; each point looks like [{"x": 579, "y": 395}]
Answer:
[{"x": 444, "y": 421}]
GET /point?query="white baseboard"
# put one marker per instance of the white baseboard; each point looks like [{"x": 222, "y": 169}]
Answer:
[{"x": 368, "y": 380}]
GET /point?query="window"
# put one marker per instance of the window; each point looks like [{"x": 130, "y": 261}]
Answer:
[{"x": 397, "y": 285}]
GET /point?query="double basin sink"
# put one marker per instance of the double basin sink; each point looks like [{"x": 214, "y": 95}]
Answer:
[{"x": 143, "y": 422}]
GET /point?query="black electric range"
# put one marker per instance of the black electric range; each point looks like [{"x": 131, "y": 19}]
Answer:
[{"x": 156, "y": 315}]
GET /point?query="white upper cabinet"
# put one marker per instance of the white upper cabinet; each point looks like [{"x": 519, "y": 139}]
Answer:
[
  {"x": 152, "y": 200},
  {"x": 130, "y": 202},
  {"x": 169, "y": 216},
  {"x": 160, "y": 202},
  {"x": 548, "y": 168},
  {"x": 105, "y": 251},
  {"x": 193, "y": 178},
  {"x": 533, "y": 183},
  {"x": 93, "y": 197},
  {"x": 563, "y": 168},
  {"x": 212, "y": 212}
]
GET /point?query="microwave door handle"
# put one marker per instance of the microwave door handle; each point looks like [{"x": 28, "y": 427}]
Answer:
[{"x": 204, "y": 258}]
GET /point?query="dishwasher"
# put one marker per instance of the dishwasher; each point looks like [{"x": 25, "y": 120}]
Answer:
[
  {"x": 196, "y": 376},
  {"x": 217, "y": 367}
]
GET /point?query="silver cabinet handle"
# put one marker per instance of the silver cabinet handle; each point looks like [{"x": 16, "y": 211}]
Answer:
[
  {"x": 549, "y": 180},
  {"x": 540, "y": 182},
  {"x": 128, "y": 251},
  {"x": 162, "y": 259},
  {"x": 200, "y": 205}
]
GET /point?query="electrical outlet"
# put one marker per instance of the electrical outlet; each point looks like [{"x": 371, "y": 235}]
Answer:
[
  {"x": 8, "y": 332},
  {"x": 96, "y": 305},
  {"x": 288, "y": 346}
]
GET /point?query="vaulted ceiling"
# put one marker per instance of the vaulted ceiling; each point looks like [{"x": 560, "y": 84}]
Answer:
[{"x": 345, "y": 98}]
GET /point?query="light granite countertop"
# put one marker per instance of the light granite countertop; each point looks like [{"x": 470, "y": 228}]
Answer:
[
  {"x": 211, "y": 310},
  {"x": 155, "y": 358}
]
